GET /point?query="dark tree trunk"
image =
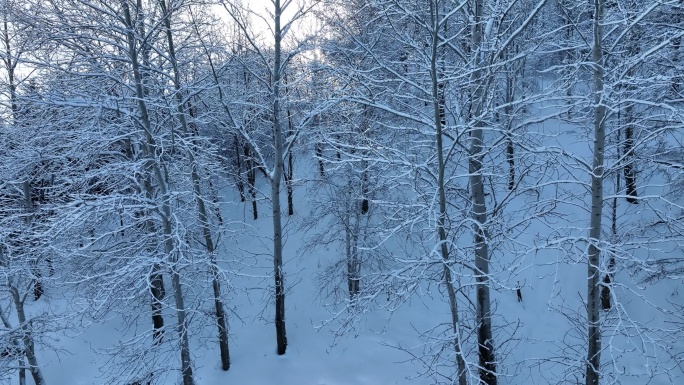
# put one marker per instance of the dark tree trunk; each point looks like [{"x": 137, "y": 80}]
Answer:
[
  {"x": 442, "y": 104},
  {"x": 510, "y": 150},
  {"x": 280, "y": 312},
  {"x": 238, "y": 167},
  {"x": 319, "y": 156},
  {"x": 156, "y": 281},
  {"x": 276, "y": 178},
  {"x": 629, "y": 167},
  {"x": 215, "y": 201},
  {"x": 158, "y": 293},
  {"x": 353, "y": 260},
  {"x": 487, "y": 357},
  {"x": 37, "y": 282},
  {"x": 630, "y": 173},
  {"x": 593, "y": 361},
  {"x": 22, "y": 373},
  {"x": 251, "y": 179},
  {"x": 221, "y": 321},
  {"x": 289, "y": 171},
  {"x": 364, "y": 194},
  {"x": 605, "y": 293},
  {"x": 288, "y": 184},
  {"x": 510, "y": 157},
  {"x": 254, "y": 208},
  {"x": 353, "y": 279},
  {"x": 51, "y": 267}
]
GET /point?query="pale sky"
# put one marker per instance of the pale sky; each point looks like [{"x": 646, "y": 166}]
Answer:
[{"x": 262, "y": 19}]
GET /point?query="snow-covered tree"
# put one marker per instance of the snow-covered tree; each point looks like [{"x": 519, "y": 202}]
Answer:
[
  {"x": 274, "y": 56},
  {"x": 133, "y": 195},
  {"x": 619, "y": 90},
  {"x": 430, "y": 76}
]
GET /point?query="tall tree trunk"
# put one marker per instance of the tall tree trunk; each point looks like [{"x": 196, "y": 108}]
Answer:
[
  {"x": 22, "y": 371},
  {"x": 438, "y": 119},
  {"x": 594, "y": 252},
  {"x": 629, "y": 158},
  {"x": 221, "y": 319},
  {"x": 629, "y": 169},
  {"x": 215, "y": 202},
  {"x": 351, "y": 230},
  {"x": 251, "y": 179},
  {"x": 158, "y": 294},
  {"x": 350, "y": 258},
  {"x": 238, "y": 166},
  {"x": 27, "y": 337},
  {"x": 10, "y": 66},
  {"x": 156, "y": 278},
  {"x": 149, "y": 148},
  {"x": 319, "y": 157},
  {"x": 487, "y": 358},
  {"x": 278, "y": 273},
  {"x": 289, "y": 171},
  {"x": 566, "y": 7},
  {"x": 365, "y": 203},
  {"x": 28, "y": 350},
  {"x": 21, "y": 362},
  {"x": 186, "y": 360},
  {"x": 37, "y": 282},
  {"x": 508, "y": 118},
  {"x": 289, "y": 175},
  {"x": 610, "y": 275},
  {"x": 479, "y": 214},
  {"x": 196, "y": 186}
]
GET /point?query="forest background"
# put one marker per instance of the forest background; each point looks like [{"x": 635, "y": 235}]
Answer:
[{"x": 478, "y": 191}]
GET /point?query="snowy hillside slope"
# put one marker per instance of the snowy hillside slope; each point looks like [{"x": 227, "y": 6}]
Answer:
[
  {"x": 314, "y": 357},
  {"x": 547, "y": 346}
]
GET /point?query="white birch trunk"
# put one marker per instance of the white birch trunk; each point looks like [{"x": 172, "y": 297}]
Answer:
[{"x": 594, "y": 254}]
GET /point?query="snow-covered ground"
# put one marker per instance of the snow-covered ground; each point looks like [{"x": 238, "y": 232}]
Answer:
[{"x": 546, "y": 347}]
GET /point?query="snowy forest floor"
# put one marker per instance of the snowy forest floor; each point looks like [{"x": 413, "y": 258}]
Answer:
[{"x": 544, "y": 346}]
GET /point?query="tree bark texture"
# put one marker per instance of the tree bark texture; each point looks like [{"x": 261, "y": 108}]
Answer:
[
  {"x": 251, "y": 179},
  {"x": 158, "y": 293},
  {"x": 278, "y": 274},
  {"x": 238, "y": 167},
  {"x": 594, "y": 253},
  {"x": 352, "y": 229},
  {"x": 289, "y": 170},
  {"x": 487, "y": 358},
  {"x": 629, "y": 168}
]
